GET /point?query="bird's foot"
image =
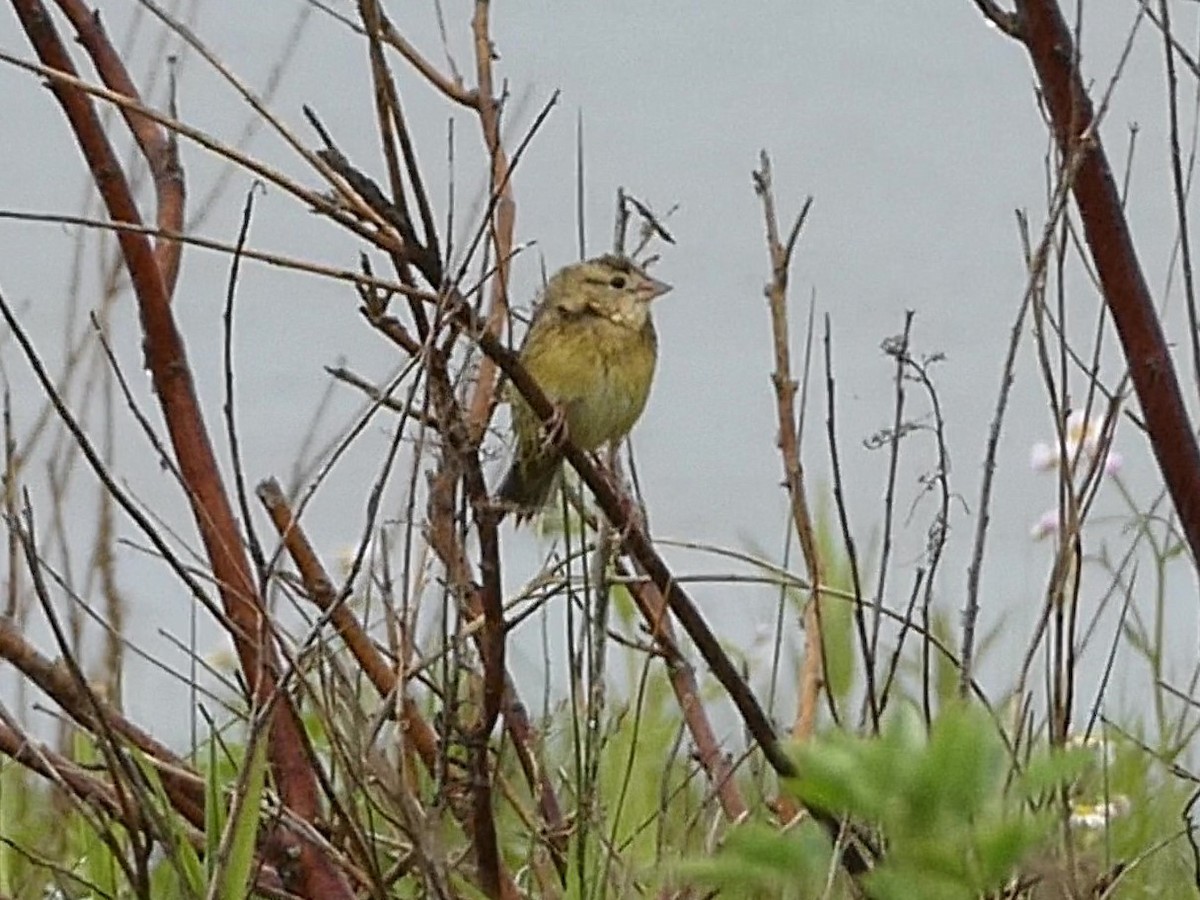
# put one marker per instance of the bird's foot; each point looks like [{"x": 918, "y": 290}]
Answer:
[
  {"x": 635, "y": 518},
  {"x": 631, "y": 510},
  {"x": 554, "y": 429},
  {"x": 497, "y": 508}
]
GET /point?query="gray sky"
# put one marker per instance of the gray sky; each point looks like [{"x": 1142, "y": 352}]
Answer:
[{"x": 913, "y": 125}]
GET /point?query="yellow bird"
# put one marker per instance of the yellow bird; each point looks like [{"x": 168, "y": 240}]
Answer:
[{"x": 592, "y": 349}]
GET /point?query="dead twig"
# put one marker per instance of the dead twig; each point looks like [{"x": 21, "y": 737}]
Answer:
[{"x": 812, "y": 674}]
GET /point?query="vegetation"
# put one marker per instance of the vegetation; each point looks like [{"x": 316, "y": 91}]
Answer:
[{"x": 368, "y": 737}]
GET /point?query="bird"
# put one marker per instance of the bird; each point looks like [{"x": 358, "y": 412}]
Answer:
[{"x": 592, "y": 349}]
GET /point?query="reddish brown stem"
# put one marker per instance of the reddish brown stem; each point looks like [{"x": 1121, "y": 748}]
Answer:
[
  {"x": 1044, "y": 32},
  {"x": 320, "y": 589},
  {"x": 156, "y": 143},
  {"x": 182, "y": 785},
  {"x": 382, "y": 676},
  {"x": 313, "y": 872},
  {"x": 713, "y": 759},
  {"x": 503, "y": 220}
]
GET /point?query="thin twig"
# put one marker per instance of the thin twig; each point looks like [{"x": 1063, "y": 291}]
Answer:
[
  {"x": 813, "y": 675},
  {"x": 1052, "y": 50},
  {"x": 1180, "y": 191}
]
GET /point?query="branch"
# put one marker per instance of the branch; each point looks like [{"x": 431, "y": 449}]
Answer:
[
  {"x": 452, "y": 89},
  {"x": 416, "y": 731},
  {"x": 812, "y": 675},
  {"x": 166, "y": 358},
  {"x": 1005, "y": 21},
  {"x": 157, "y": 145},
  {"x": 1045, "y": 35},
  {"x": 713, "y": 759},
  {"x": 502, "y": 219}
]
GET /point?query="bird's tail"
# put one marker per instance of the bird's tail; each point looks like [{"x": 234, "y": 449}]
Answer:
[{"x": 526, "y": 488}]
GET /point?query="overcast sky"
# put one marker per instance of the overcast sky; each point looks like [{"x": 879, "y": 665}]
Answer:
[{"x": 915, "y": 128}]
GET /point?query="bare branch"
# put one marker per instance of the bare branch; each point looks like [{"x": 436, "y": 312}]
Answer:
[{"x": 1051, "y": 48}]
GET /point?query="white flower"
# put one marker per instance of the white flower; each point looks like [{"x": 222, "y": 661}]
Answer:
[
  {"x": 1082, "y": 438},
  {"x": 1046, "y": 525},
  {"x": 1043, "y": 457},
  {"x": 1101, "y": 747},
  {"x": 1098, "y": 815},
  {"x": 1113, "y": 462}
]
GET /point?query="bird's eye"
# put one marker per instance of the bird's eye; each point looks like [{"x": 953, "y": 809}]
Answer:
[{"x": 617, "y": 281}]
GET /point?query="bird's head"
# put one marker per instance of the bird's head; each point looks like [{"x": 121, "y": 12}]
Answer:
[{"x": 613, "y": 287}]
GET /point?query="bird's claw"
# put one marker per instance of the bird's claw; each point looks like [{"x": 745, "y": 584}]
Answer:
[
  {"x": 635, "y": 519},
  {"x": 631, "y": 511},
  {"x": 554, "y": 429}
]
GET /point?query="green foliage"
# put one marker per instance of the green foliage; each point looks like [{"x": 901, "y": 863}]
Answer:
[
  {"x": 639, "y": 742},
  {"x": 953, "y": 816},
  {"x": 937, "y": 799},
  {"x": 837, "y": 616},
  {"x": 951, "y": 829},
  {"x": 181, "y": 867},
  {"x": 95, "y": 863},
  {"x": 1149, "y": 801},
  {"x": 648, "y": 799},
  {"x": 19, "y": 822},
  {"x": 234, "y": 877},
  {"x": 758, "y": 860}
]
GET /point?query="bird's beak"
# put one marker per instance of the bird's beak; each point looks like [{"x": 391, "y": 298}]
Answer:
[{"x": 653, "y": 289}]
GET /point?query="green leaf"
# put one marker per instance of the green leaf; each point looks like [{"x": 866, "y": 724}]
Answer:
[
  {"x": 759, "y": 860},
  {"x": 214, "y": 811},
  {"x": 1049, "y": 771},
  {"x": 899, "y": 881},
  {"x": 234, "y": 879},
  {"x": 961, "y": 768},
  {"x": 1002, "y": 846},
  {"x": 181, "y": 856},
  {"x": 832, "y": 778}
]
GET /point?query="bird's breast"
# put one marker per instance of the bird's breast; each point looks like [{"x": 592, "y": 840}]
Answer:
[
  {"x": 622, "y": 366},
  {"x": 596, "y": 370}
]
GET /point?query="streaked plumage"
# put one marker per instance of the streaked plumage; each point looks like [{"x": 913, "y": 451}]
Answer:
[{"x": 592, "y": 348}]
